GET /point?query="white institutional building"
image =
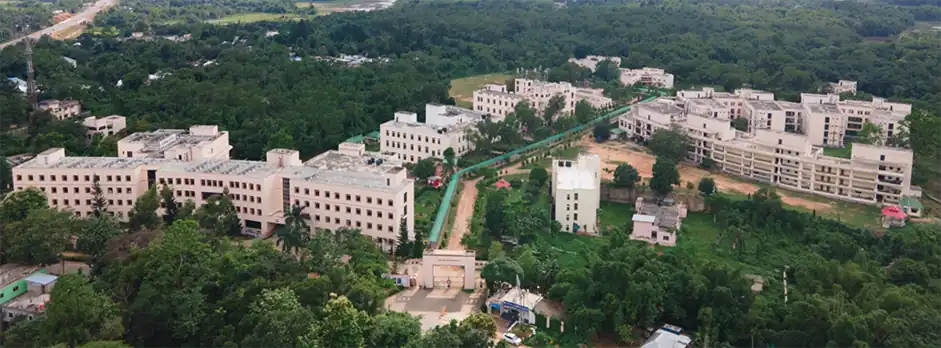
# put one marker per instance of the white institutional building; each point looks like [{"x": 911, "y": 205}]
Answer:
[
  {"x": 344, "y": 188},
  {"x": 499, "y": 101},
  {"x": 649, "y": 76},
  {"x": 576, "y": 193},
  {"x": 106, "y": 126},
  {"x": 783, "y": 143},
  {"x": 445, "y": 126}
]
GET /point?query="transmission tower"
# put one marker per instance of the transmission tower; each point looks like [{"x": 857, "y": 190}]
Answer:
[{"x": 30, "y": 78}]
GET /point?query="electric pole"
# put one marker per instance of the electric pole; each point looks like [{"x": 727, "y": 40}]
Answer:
[{"x": 30, "y": 78}]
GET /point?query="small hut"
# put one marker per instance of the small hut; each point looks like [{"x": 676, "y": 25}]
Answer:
[
  {"x": 893, "y": 216},
  {"x": 502, "y": 183}
]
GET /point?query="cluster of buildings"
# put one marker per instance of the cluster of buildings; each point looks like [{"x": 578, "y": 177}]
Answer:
[
  {"x": 24, "y": 291},
  {"x": 354, "y": 60},
  {"x": 499, "y": 100},
  {"x": 648, "y": 76},
  {"x": 61, "y": 109},
  {"x": 783, "y": 143},
  {"x": 345, "y": 188}
]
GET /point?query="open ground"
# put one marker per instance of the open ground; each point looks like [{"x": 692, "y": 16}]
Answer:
[{"x": 462, "y": 90}]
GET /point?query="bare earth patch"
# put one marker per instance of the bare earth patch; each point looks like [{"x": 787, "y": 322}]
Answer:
[{"x": 613, "y": 154}]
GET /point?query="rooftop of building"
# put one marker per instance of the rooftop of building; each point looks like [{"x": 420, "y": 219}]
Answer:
[
  {"x": 712, "y": 103},
  {"x": 29, "y": 302},
  {"x": 663, "y": 106},
  {"x": 243, "y": 168},
  {"x": 823, "y": 108},
  {"x": 500, "y": 94},
  {"x": 572, "y": 178},
  {"x": 522, "y": 297},
  {"x": 666, "y": 339},
  {"x": 368, "y": 170},
  {"x": 765, "y": 105},
  {"x": 158, "y": 141},
  {"x": 665, "y": 214},
  {"x": 92, "y": 162},
  {"x": 12, "y": 272}
]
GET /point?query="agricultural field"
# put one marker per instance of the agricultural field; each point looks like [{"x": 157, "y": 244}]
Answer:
[{"x": 251, "y": 17}]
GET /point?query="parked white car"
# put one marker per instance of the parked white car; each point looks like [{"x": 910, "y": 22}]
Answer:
[{"x": 512, "y": 339}]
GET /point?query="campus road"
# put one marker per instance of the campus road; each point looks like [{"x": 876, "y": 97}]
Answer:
[{"x": 87, "y": 14}]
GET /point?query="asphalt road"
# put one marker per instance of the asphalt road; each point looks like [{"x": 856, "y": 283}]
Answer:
[{"x": 88, "y": 14}]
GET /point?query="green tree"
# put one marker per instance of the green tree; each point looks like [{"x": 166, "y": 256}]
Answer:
[
  {"x": 393, "y": 329},
  {"x": 871, "y": 133},
  {"x": 144, "y": 213},
  {"x": 626, "y": 176},
  {"x": 17, "y": 205},
  {"x": 707, "y": 186},
  {"x": 669, "y": 143},
  {"x": 77, "y": 314},
  {"x": 530, "y": 265},
  {"x": 219, "y": 217},
  {"x": 481, "y": 321},
  {"x": 665, "y": 176},
  {"x": 602, "y": 131},
  {"x": 555, "y": 105},
  {"x": 170, "y": 207},
  {"x": 6, "y": 175},
  {"x": 98, "y": 202},
  {"x": 424, "y": 168},
  {"x": 95, "y": 232},
  {"x": 276, "y": 319},
  {"x": 608, "y": 70},
  {"x": 341, "y": 326},
  {"x": 503, "y": 270},
  {"x": 39, "y": 238},
  {"x": 105, "y": 344},
  {"x": 450, "y": 160},
  {"x": 403, "y": 247},
  {"x": 584, "y": 112},
  {"x": 295, "y": 233},
  {"x": 538, "y": 177}
]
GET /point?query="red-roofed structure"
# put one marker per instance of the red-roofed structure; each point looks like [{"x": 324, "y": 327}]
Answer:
[{"x": 502, "y": 183}]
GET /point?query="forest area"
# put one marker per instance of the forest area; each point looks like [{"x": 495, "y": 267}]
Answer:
[{"x": 847, "y": 287}]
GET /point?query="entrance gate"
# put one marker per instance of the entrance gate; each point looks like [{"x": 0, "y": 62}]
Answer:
[{"x": 459, "y": 258}]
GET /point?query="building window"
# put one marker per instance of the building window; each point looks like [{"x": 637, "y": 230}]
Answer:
[
  {"x": 576, "y": 196},
  {"x": 348, "y": 196}
]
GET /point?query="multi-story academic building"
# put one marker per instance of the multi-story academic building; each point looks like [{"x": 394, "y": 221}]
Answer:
[
  {"x": 776, "y": 155},
  {"x": 499, "y": 101},
  {"x": 61, "y": 109},
  {"x": 344, "y": 188},
  {"x": 445, "y": 127},
  {"x": 648, "y": 76},
  {"x": 576, "y": 193}
]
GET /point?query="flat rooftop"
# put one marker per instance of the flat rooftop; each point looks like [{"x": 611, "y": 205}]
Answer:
[
  {"x": 765, "y": 105},
  {"x": 335, "y": 167},
  {"x": 572, "y": 178},
  {"x": 94, "y": 163},
  {"x": 158, "y": 141},
  {"x": 11, "y": 272},
  {"x": 252, "y": 169},
  {"x": 522, "y": 297},
  {"x": 663, "y": 106},
  {"x": 29, "y": 301},
  {"x": 499, "y": 94},
  {"x": 712, "y": 103},
  {"x": 823, "y": 108}
]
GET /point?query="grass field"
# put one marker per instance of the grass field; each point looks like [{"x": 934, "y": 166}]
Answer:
[
  {"x": 426, "y": 201},
  {"x": 612, "y": 215},
  {"x": 462, "y": 90},
  {"x": 571, "y": 250},
  {"x": 842, "y": 152},
  {"x": 256, "y": 17}
]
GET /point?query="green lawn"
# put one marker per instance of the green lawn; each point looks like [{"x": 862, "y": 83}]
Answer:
[
  {"x": 613, "y": 215},
  {"x": 842, "y": 152},
  {"x": 569, "y": 153},
  {"x": 426, "y": 201},
  {"x": 571, "y": 250},
  {"x": 256, "y": 17},
  {"x": 463, "y": 89}
]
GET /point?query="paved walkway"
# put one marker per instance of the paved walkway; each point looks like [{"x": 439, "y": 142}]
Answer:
[{"x": 435, "y": 307}]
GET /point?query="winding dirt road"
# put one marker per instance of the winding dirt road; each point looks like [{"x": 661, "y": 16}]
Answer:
[{"x": 465, "y": 207}]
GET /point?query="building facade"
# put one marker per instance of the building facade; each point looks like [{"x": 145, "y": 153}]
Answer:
[
  {"x": 445, "y": 127},
  {"x": 106, "y": 126},
  {"x": 61, "y": 109},
  {"x": 591, "y": 62},
  {"x": 843, "y": 86},
  {"x": 873, "y": 174},
  {"x": 344, "y": 188},
  {"x": 576, "y": 193},
  {"x": 648, "y": 76},
  {"x": 499, "y": 101}
]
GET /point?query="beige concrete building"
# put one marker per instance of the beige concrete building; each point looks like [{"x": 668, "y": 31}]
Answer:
[
  {"x": 594, "y": 97},
  {"x": 576, "y": 193},
  {"x": 198, "y": 143},
  {"x": 540, "y": 92},
  {"x": 657, "y": 222},
  {"x": 61, "y": 109},
  {"x": 843, "y": 86},
  {"x": 873, "y": 175},
  {"x": 106, "y": 126},
  {"x": 344, "y": 188},
  {"x": 649, "y": 76},
  {"x": 445, "y": 126},
  {"x": 496, "y": 100},
  {"x": 591, "y": 62}
]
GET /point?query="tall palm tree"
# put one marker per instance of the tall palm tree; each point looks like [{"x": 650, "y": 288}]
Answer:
[{"x": 295, "y": 233}]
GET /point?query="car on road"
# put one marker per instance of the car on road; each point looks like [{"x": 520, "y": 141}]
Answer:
[{"x": 511, "y": 338}]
